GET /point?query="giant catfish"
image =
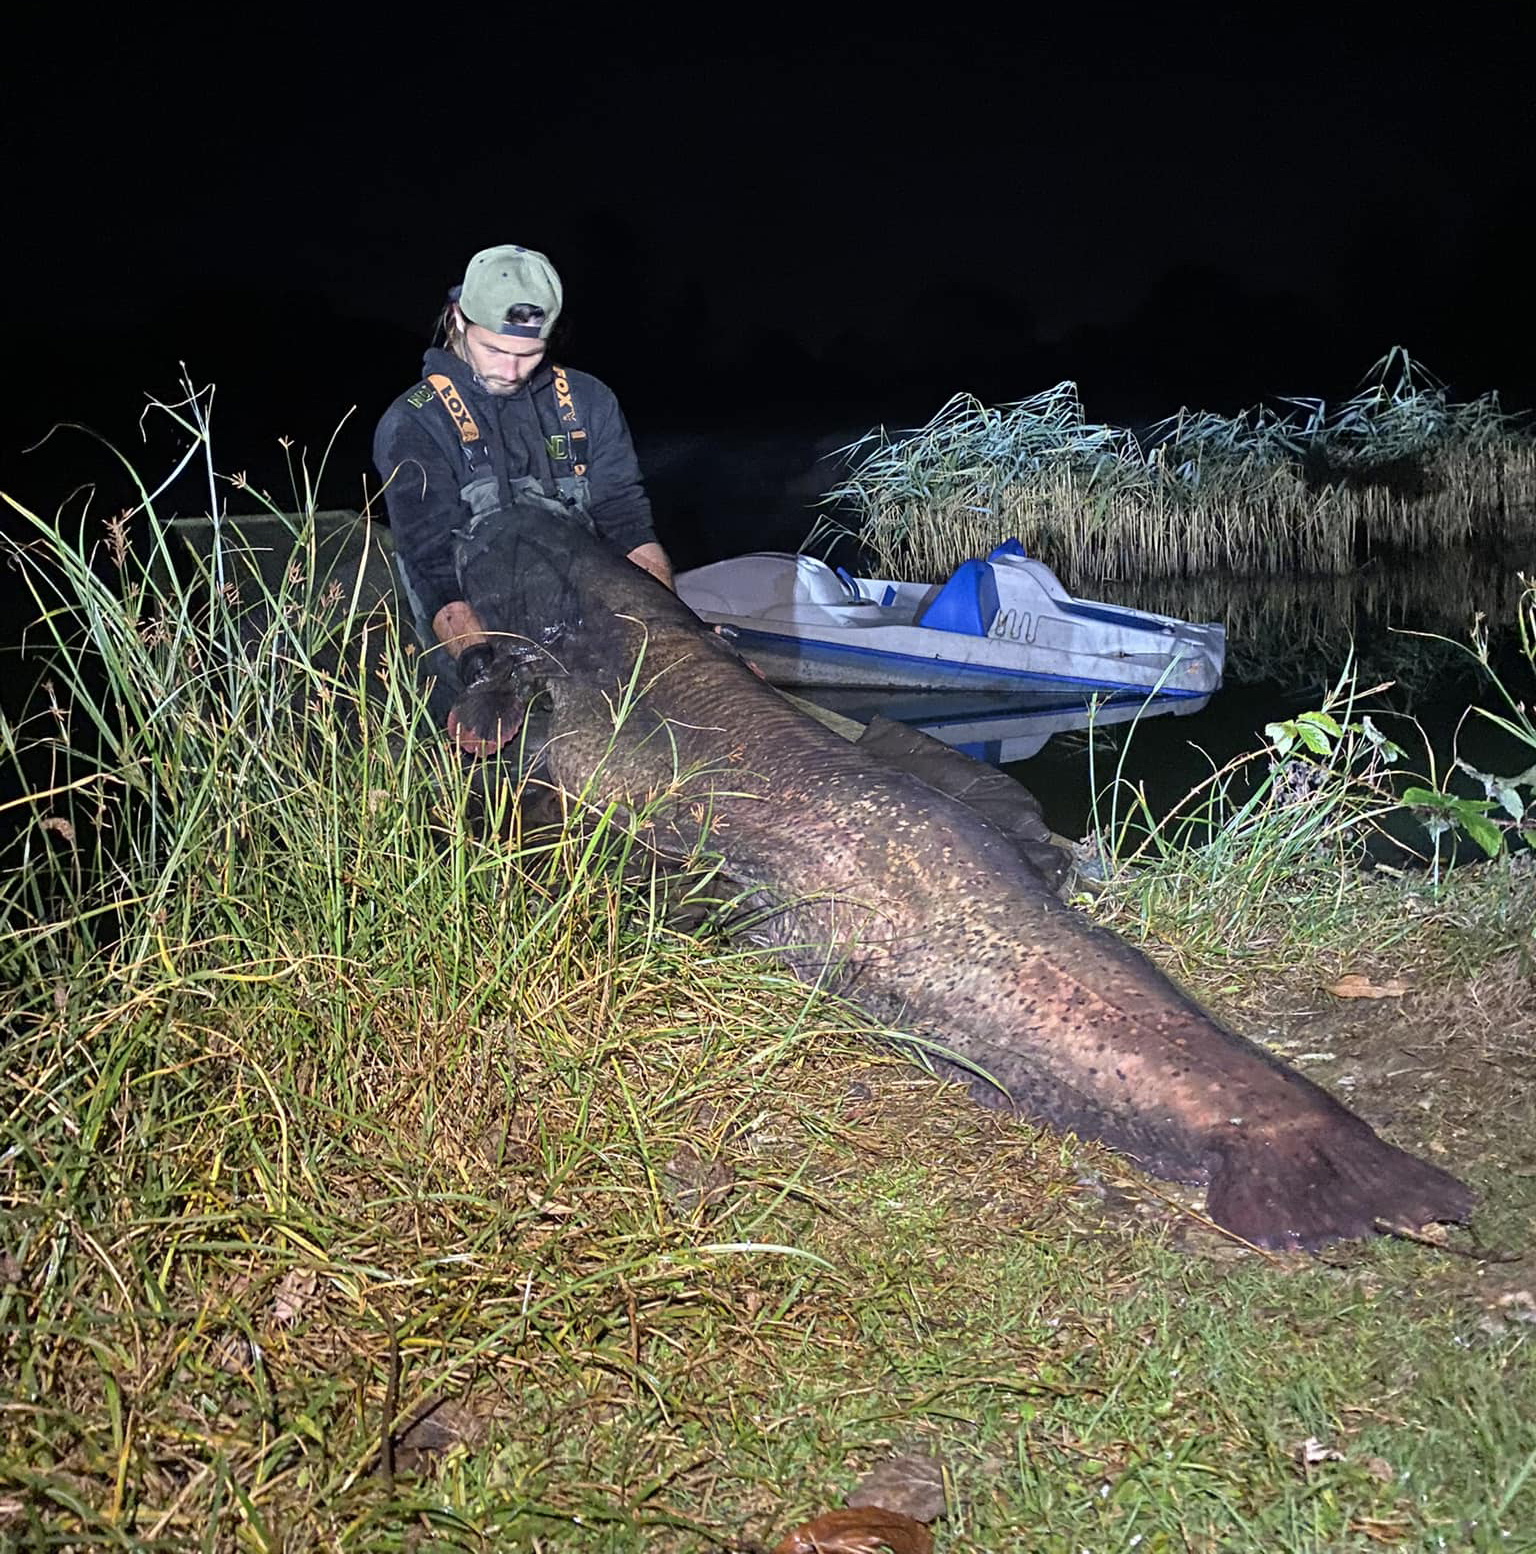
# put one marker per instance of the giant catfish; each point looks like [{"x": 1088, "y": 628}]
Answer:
[{"x": 927, "y": 914}]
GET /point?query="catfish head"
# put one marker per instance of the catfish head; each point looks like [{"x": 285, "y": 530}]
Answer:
[{"x": 516, "y": 568}]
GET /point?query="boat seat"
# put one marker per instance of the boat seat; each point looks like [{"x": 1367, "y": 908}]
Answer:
[{"x": 967, "y": 603}]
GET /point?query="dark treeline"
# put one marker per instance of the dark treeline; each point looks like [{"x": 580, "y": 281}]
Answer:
[{"x": 291, "y": 364}]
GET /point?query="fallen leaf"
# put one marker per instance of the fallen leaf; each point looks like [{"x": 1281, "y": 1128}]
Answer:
[
  {"x": 1353, "y": 985},
  {"x": 1380, "y": 1530},
  {"x": 293, "y": 1295},
  {"x": 911, "y": 1485},
  {"x": 1518, "y": 1306},
  {"x": 867, "y": 1530},
  {"x": 550, "y": 1208},
  {"x": 692, "y": 1183},
  {"x": 432, "y": 1433},
  {"x": 1312, "y": 1450},
  {"x": 231, "y": 1354}
]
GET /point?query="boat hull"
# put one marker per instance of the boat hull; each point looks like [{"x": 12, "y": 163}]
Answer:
[
  {"x": 910, "y": 659},
  {"x": 1003, "y": 624}
]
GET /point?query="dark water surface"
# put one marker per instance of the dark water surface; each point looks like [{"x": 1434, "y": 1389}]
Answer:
[{"x": 1289, "y": 642}]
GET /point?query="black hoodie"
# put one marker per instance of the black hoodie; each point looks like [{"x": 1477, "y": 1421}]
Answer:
[{"x": 418, "y": 455}]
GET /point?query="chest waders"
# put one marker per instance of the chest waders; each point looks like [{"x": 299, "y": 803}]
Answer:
[{"x": 487, "y": 490}]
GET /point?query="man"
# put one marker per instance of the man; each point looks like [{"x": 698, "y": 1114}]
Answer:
[{"x": 494, "y": 421}]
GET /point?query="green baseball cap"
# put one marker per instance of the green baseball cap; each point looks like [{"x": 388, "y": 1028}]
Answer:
[{"x": 498, "y": 279}]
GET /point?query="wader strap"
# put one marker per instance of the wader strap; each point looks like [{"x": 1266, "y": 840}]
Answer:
[
  {"x": 567, "y": 444},
  {"x": 476, "y": 449}
]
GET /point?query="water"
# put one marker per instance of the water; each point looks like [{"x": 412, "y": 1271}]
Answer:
[{"x": 1289, "y": 641}]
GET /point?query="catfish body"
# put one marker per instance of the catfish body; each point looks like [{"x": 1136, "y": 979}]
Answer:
[{"x": 922, "y": 911}]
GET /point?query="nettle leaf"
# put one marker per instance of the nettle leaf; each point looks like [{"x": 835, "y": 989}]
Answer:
[
  {"x": 1485, "y": 833},
  {"x": 1323, "y": 721},
  {"x": 1439, "y": 812},
  {"x": 1503, "y": 791},
  {"x": 1389, "y": 749},
  {"x": 1315, "y": 730},
  {"x": 1511, "y": 803}
]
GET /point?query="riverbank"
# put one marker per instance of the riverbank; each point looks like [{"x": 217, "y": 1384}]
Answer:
[
  {"x": 640, "y": 1246},
  {"x": 381, "y": 1174}
]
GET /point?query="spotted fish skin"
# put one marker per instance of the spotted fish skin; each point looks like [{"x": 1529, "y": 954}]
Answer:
[{"x": 917, "y": 908}]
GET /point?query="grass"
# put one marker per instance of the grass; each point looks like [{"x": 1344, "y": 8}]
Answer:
[
  {"x": 380, "y": 1172},
  {"x": 1306, "y": 806},
  {"x": 1312, "y": 489}
]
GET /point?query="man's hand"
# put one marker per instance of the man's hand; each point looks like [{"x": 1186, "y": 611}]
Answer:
[
  {"x": 489, "y": 713},
  {"x": 652, "y": 558}
]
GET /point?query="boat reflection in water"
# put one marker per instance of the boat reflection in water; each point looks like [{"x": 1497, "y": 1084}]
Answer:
[{"x": 999, "y": 727}]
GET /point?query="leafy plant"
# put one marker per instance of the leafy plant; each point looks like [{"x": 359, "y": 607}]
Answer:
[{"x": 1508, "y": 805}]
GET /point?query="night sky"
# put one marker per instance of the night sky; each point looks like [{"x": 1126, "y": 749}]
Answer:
[{"x": 804, "y": 232}]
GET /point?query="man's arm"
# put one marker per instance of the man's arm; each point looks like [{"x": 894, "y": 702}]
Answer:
[
  {"x": 485, "y": 727},
  {"x": 421, "y": 492},
  {"x": 621, "y": 511},
  {"x": 422, "y": 497},
  {"x": 457, "y": 627}
]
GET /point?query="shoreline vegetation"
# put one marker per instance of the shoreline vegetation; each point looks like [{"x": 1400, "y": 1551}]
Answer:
[
  {"x": 381, "y": 1171},
  {"x": 1309, "y": 489}
]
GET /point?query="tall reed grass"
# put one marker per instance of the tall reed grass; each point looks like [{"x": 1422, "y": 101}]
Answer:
[
  {"x": 334, "y": 1095},
  {"x": 1311, "y": 488},
  {"x": 381, "y": 1172}
]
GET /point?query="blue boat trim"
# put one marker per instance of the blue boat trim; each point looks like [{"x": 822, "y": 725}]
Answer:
[
  {"x": 1151, "y": 706},
  {"x": 747, "y": 634},
  {"x": 1109, "y": 614}
]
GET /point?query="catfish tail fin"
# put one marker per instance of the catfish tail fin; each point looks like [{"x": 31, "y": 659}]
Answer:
[{"x": 1312, "y": 1185}]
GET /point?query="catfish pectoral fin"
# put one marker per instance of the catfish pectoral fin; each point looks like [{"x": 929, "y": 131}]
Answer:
[{"x": 1305, "y": 1186}]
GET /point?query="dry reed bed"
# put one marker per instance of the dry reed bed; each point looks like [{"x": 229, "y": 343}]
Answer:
[{"x": 1312, "y": 490}]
